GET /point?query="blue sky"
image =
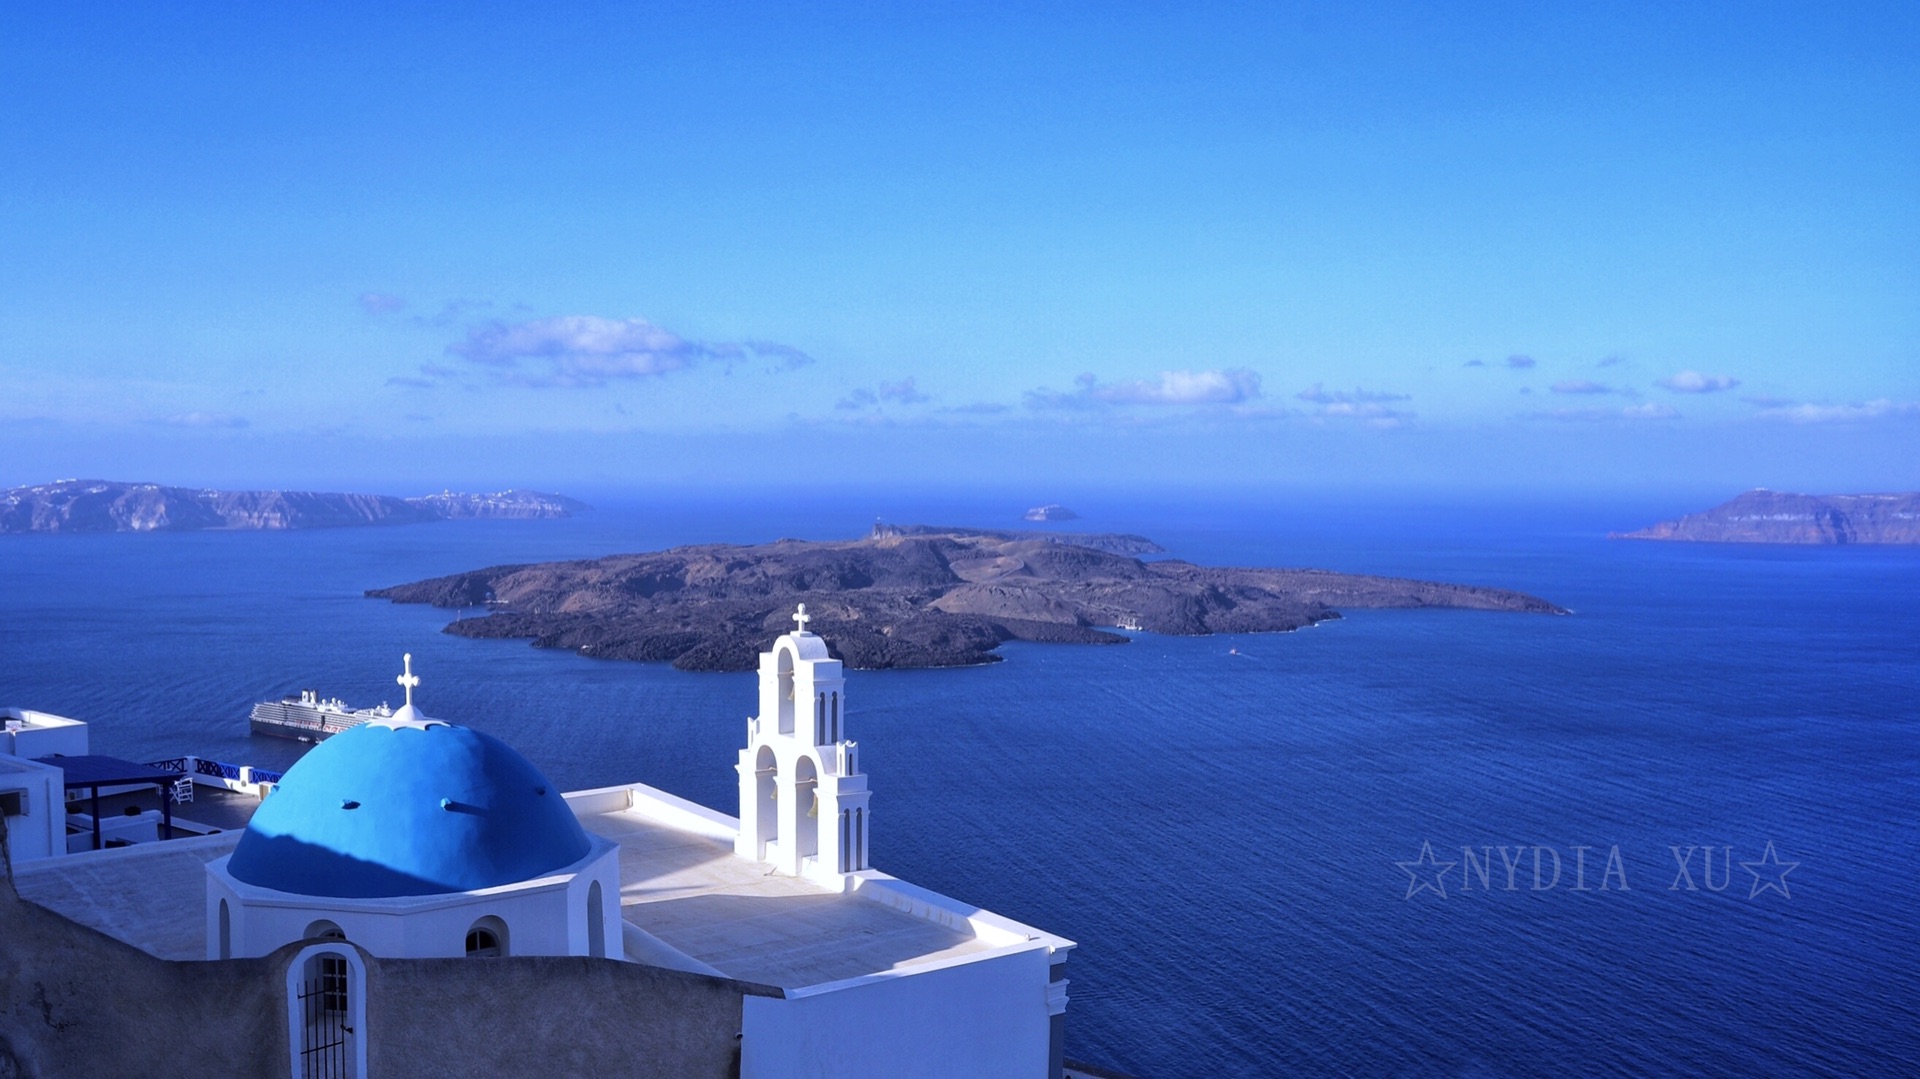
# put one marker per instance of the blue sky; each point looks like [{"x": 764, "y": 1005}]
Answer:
[{"x": 1497, "y": 247}]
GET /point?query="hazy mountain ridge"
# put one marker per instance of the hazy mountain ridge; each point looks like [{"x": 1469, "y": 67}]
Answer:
[
  {"x": 901, "y": 597},
  {"x": 1110, "y": 542},
  {"x": 112, "y": 506},
  {"x": 1763, "y": 516}
]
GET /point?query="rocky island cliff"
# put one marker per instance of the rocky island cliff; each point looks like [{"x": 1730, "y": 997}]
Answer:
[
  {"x": 902, "y": 597},
  {"x": 110, "y": 506},
  {"x": 1763, "y": 516}
]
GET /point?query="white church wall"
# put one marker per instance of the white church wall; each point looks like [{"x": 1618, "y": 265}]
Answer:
[
  {"x": 592, "y": 921},
  {"x": 32, "y": 795},
  {"x": 974, "y": 1017},
  {"x": 549, "y": 917}
]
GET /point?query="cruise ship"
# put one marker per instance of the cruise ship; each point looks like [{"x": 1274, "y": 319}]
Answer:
[{"x": 309, "y": 718}]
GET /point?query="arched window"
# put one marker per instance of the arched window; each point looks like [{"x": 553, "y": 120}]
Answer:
[
  {"x": 766, "y": 792},
  {"x": 487, "y": 938},
  {"x": 325, "y": 930},
  {"x": 806, "y": 832},
  {"x": 596, "y": 923},
  {"x": 783, "y": 665}
]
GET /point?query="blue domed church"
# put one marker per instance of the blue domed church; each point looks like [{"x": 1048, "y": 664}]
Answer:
[{"x": 414, "y": 837}]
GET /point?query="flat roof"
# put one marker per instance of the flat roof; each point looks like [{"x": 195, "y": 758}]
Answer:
[
  {"x": 694, "y": 893},
  {"x": 28, "y": 718},
  {"x": 150, "y": 895}
]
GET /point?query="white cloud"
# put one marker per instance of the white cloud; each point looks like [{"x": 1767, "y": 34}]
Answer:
[
  {"x": 1580, "y": 385},
  {"x": 204, "y": 420},
  {"x": 1231, "y": 386},
  {"x": 380, "y": 303},
  {"x": 859, "y": 398},
  {"x": 1880, "y": 408},
  {"x": 1520, "y": 362},
  {"x": 1695, "y": 382},
  {"x": 1651, "y": 410},
  {"x": 1321, "y": 396},
  {"x": 1372, "y": 413},
  {"x": 903, "y": 392},
  {"x": 587, "y": 350}
]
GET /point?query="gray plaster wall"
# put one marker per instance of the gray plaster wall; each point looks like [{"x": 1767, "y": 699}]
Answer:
[
  {"x": 77, "y": 1003},
  {"x": 550, "y": 1016}
]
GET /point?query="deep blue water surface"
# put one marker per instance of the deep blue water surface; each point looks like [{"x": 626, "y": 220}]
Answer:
[{"x": 1220, "y": 832}]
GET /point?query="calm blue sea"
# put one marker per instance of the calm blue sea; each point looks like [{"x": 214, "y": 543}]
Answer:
[{"x": 1221, "y": 832}]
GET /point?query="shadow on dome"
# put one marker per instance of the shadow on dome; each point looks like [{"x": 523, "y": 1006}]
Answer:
[{"x": 301, "y": 868}]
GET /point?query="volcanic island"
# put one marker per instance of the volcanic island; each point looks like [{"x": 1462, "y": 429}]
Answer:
[{"x": 905, "y": 596}]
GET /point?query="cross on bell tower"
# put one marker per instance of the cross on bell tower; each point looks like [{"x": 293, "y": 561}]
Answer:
[{"x": 801, "y": 618}]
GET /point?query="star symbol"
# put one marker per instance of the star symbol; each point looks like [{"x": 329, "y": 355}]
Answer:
[
  {"x": 1770, "y": 872},
  {"x": 1426, "y": 872}
]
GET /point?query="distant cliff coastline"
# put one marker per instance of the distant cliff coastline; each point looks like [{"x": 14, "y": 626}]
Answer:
[
  {"x": 904, "y": 596},
  {"x": 1763, "y": 516},
  {"x": 108, "y": 506}
]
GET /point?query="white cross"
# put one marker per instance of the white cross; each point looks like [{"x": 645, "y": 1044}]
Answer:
[
  {"x": 409, "y": 679},
  {"x": 801, "y": 618}
]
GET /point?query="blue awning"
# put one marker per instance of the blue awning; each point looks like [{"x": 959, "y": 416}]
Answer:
[{"x": 94, "y": 770}]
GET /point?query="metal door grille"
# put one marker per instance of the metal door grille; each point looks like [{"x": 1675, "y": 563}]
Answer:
[{"x": 325, "y": 1052}]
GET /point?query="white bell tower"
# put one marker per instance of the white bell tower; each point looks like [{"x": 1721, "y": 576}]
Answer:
[{"x": 803, "y": 799}]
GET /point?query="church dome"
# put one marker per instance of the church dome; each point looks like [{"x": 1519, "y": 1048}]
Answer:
[{"x": 407, "y": 808}]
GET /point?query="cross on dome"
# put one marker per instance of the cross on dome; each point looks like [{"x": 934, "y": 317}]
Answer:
[
  {"x": 407, "y": 678},
  {"x": 801, "y": 618}
]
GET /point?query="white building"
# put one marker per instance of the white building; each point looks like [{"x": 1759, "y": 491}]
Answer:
[
  {"x": 33, "y": 793},
  {"x": 411, "y": 840}
]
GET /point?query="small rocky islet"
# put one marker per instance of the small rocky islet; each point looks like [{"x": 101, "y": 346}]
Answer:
[{"x": 905, "y": 596}]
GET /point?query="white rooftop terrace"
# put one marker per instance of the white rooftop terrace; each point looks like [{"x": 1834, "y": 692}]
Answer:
[
  {"x": 150, "y": 895},
  {"x": 27, "y": 733},
  {"x": 680, "y": 882}
]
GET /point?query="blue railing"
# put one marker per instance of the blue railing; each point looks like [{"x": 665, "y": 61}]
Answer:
[
  {"x": 171, "y": 764},
  {"x": 217, "y": 768},
  {"x": 261, "y": 775}
]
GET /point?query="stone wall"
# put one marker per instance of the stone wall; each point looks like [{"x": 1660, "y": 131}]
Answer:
[
  {"x": 550, "y": 1016},
  {"x": 75, "y": 1002}
]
